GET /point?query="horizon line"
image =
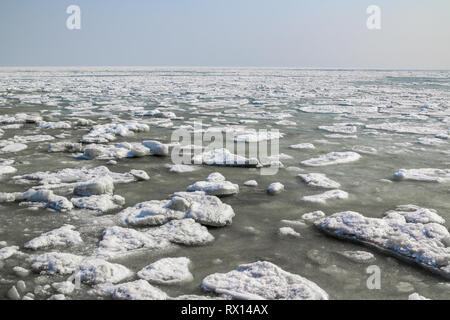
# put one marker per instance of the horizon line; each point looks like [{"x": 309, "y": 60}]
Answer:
[{"x": 230, "y": 67}]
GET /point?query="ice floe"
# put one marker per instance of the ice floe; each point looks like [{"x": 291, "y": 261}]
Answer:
[
  {"x": 251, "y": 183},
  {"x": 67, "y": 179},
  {"x": 54, "y": 125},
  {"x": 339, "y": 129},
  {"x": 56, "y": 262},
  {"x": 148, "y": 213},
  {"x": 263, "y": 280},
  {"x": 423, "y": 174},
  {"x": 62, "y": 237},
  {"x": 319, "y": 180},
  {"x": 45, "y": 197},
  {"x": 7, "y": 170},
  {"x": 423, "y": 244},
  {"x": 288, "y": 232},
  {"x": 167, "y": 271},
  {"x": 328, "y": 195},
  {"x": 338, "y": 109},
  {"x": 97, "y": 186},
  {"x": 332, "y": 158},
  {"x": 275, "y": 188},
  {"x": 215, "y": 184},
  {"x": 182, "y": 168},
  {"x": 223, "y": 157},
  {"x": 302, "y": 146},
  {"x": 416, "y": 296},
  {"x": 156, "y": 113},
  {"x": 403, "y": 127},
  {"x": 184, "y": 231},
  {"x": 8, "y": 252},
  {"x": 258, "y": 136},
  {"x": 99, "y": 203},
  {"x": 416, "y": 214},
  {"x": 94, "y": 271},
  {"x": 358, "y": 256},
  {"x": 313, "y": 216},
  {"x": 117, "y": 241},
  {"x": 13, "y": 147},
  {"x": 65, "y": 146},
  {"x": 64, "y": 287},
  {"x": 104, "y": 133},
  {"x": 206, "y": 209},
  {"x": 156, "y": 148},
  {"x": 135, "y": 290}
]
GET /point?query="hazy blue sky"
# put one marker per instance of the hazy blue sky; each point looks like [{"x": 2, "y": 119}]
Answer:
[{"x": 286, "y": 33}]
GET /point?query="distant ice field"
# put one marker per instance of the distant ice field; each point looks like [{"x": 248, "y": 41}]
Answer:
[{"x": 88, "y": 183}]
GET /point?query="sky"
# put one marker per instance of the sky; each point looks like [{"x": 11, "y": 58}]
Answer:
[{"x": 414, "y": 34}]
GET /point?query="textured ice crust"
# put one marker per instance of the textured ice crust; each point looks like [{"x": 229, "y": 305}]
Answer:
[
  {"x": 67, "y": 179},
  {"x": 135, "y": 290},
  {"x": 94, "y": 271},
  {"x": 275, "y": 188},
  {"x": 422, "y": 243},
  {"x": 167, "y": 271},
  {"x": 332, "y": 158},
  {"x": 328, "y": 195},
  {"x": 223, "y": 157},
  {"x": 99, "y": 203},
  {"x": 319, "y": 180},
  {"x": 8, "y": 252},
  {"x": 117, "y": 241},
  {"x": 56, "y": 262},
  {"x": 423, "y": 174},
  {"x": 205, "y": 209},
  {"x": 416, "y": 214},
  {"x": 45, "y": 197},
  {"x": 104, "y": 133},
  {"x": 263, "y": 280},
  {"x": 62, "y": 237},
  {"x": 215, "y": 185}
]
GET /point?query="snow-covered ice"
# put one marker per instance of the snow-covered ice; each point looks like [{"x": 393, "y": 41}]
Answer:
[
  {"x": 319, "y": 180},
  {"x": 263, "y": 280},
  {"x": 423, "y": 244},
  {"x": 62, "y": 237},
  {"x": 275, "y": 188},
  {"x": 332, "y": 158},
  {"x": 167, "y": 271},
  {"x": 215, "y": 184},
  {"x": 328, "y": 195}
]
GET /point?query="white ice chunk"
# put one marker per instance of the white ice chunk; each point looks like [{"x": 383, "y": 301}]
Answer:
[
  {"x": 94, "y": 271},
  {"x": 62, "y": 237},
  {"x": 56, "y": 262},
  {"x": 423, "y": 244},
  {"x": 328, "y": 195},
  {"x": 423, "y": 174},
  {"x": 167, "y": 271},
  {"x": 319, "y": 180},
  {"x": 215, "y": 185},
  {"x": 275, "y": 188},
  {"x": 100, "y": 203},
  {"x": 332, "y": 158},
  {"x": 263, "y": 280}
]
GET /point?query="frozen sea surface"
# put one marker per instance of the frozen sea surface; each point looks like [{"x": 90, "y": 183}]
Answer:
[{"x": 393, "y": 120}]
